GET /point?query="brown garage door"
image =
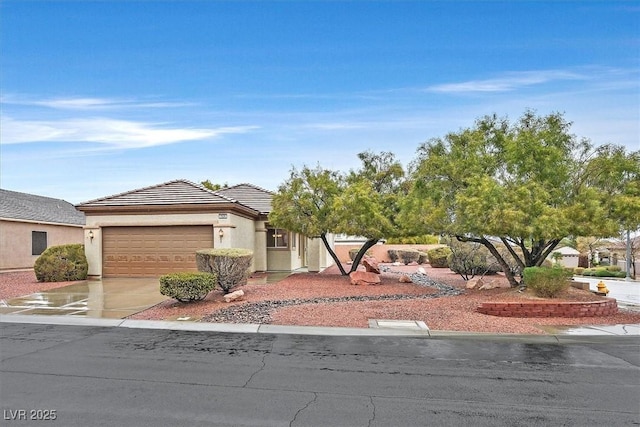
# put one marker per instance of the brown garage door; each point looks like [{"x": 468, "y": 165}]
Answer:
[{"x": 152, "y": 251}]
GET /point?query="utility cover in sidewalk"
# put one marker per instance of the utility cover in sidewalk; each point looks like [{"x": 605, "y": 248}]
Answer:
[{"x": 398, "y": 324}]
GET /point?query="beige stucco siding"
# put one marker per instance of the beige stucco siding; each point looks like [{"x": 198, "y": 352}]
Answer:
[
  {"x": 155, "y": 219},
  {"x": 15, "y": 241}
]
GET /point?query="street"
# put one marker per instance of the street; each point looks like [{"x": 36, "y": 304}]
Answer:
[{"x": 99, "y": 376}]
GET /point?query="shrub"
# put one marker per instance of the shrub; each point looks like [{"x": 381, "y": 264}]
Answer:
[
  {"x": 408, "y": 256},
  {"x": 602, "y": 273},
  {"x": 578, "y": 270},
  {"x": 546, "y": 282},
  {"x": 230, "y": 266},
  {"x": 62, "y": 263},
  {"x": 423, "y": 257},
  {"x": 613, "y": 268},
  {"x": 439, "y": 257},
  {"x": 187, "y": 287},
  {"x": 469, "y": 259},
  {"x": 393, "y": 255}
]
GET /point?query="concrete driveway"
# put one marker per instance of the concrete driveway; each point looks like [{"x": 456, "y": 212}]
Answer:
[{"x": 113, "y": 298}]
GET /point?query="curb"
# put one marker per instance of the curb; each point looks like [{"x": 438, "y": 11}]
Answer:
[{"x": 597, "y": 336}]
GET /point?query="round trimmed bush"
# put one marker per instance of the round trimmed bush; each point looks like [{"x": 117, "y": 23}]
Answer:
[
  {"x": 61, "y": 264},
  {"x": 187, "y": 287},
  {"x": 546, "y": 282},
  {"x": 230, "y": 266}
]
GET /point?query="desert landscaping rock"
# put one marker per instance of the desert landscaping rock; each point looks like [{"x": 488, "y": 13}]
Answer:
[
  {"x": 234, "y": 296},
  {"x": 371, "y": 265},
  {"x": 364, "y": 278}
]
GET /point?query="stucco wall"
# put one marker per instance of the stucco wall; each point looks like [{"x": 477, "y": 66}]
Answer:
[
  {"x": 378, "y": 251},
  {"x": 94, "y": 224},
  {"x": 15, "y": 241},
  {"x": 318, "y": 256},
  {"x": 238, "y": 232}
]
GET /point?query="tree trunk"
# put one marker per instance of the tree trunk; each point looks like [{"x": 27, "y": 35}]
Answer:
[
  {"x": 363, "y": 250},
  {"x": 323, "y": 236},
  {"x": 492, "y": 249}
]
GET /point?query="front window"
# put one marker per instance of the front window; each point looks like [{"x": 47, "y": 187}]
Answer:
[
  {"x": 277, "y": 238},
  {"x": 38, "y": 242}
]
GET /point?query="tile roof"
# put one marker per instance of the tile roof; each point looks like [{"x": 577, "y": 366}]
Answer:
[
  {"x": 29, "y": 207},
  {"x": 249, "y": 195},
  {"x": 178, "y": 192}
]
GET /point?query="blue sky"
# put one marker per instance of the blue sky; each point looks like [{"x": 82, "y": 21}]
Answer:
[{"x": 101, "y": 97}]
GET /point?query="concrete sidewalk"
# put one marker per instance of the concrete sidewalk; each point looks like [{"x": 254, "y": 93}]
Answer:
[{"x": 555, "y": 334}]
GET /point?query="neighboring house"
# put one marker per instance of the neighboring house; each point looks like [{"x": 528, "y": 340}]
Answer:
[
  {"x": 29, "y": 224},
  {"x": 156, "y": 230},
  {"x": 616, "y": 251},
  {"x": 569, "y": 257}
]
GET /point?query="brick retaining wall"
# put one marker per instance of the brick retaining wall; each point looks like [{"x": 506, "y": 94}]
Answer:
[{"x": 606, "y": 307}]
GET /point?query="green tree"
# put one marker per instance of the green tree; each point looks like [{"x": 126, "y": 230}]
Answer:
[
  {"x": 211, "y": 186},
  {"x": 518, "y": 189},
  {"x": 304, "y": 204},
  {"x": 316, "y": 202}
]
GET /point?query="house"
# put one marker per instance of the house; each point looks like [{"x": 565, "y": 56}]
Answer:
[
  {"x": 156, "y": 230},
  {"x": 29, "y": 224},
  {"x": 568, "y": 256}
]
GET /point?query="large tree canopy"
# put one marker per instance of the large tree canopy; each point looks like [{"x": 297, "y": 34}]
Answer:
[
  {"x": 519, "y": 188},
  {"x": 316, "y": 202}
]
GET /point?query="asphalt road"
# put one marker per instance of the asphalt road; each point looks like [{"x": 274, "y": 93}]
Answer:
[{"x": 96, "y": 376}]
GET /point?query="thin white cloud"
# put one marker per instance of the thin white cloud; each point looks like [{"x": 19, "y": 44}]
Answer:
[
  {"x": 121, "y": 134},
  {"x": 87, "y": 103},
  {"x": 508, "y": 82}
]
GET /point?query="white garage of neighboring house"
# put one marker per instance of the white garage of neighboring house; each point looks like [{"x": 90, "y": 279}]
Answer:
[
  {"x": 569, "y": 257},
  {"x": 156, "y": 230}
]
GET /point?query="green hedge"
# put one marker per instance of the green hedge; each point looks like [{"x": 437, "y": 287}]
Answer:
[
  {"x": 608, "y": 271},
  {"x": 61, "y": 264},
  {"x": 187, "y": 287},
  {"x": 546, "y": 282}
]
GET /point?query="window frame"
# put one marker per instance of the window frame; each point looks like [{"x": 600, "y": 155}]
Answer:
[
  {"x": 39, "y": 240},
  {"x": 273, "y": 235}
]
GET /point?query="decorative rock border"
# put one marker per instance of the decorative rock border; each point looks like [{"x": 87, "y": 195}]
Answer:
[{"x": 606, "y": 307}]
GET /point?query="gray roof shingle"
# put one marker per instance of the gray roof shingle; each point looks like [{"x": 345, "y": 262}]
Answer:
[
  {"x": 178, "y": 192},
  {"x": 29, "y": 207},
  {"x": 249, "y": 195}
]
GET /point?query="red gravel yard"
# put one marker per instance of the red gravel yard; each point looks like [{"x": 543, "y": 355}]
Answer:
[{"x": 328, "y": 299}]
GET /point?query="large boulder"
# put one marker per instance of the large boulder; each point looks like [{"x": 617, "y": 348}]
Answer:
[
  {"x": 371, "y": 265},
  {"x": 364, "y": 278}
]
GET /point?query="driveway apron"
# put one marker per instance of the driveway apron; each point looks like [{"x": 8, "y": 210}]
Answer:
[{"x": 111, "y": 298}]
